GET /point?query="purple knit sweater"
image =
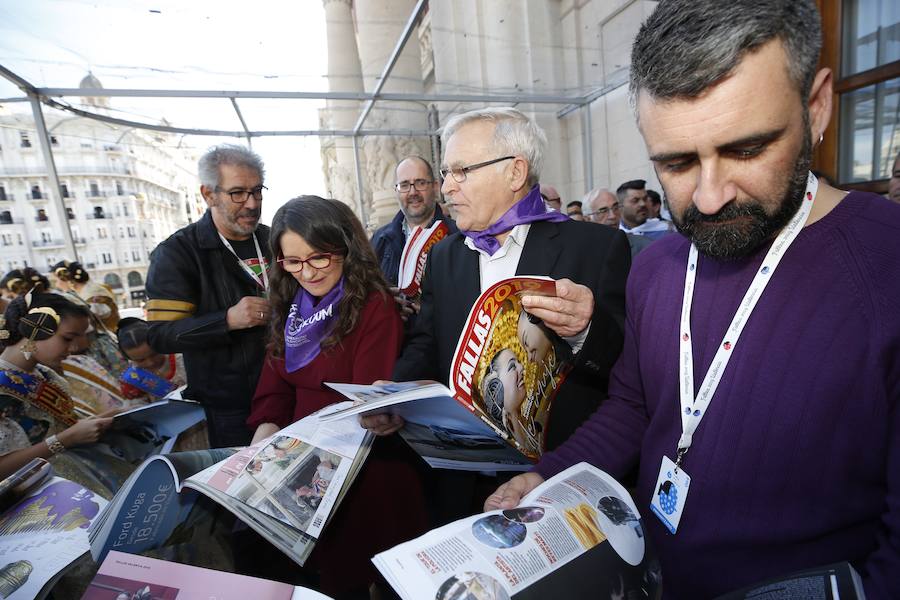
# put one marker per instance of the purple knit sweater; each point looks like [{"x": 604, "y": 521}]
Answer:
[{"x": 797, "y": 463}]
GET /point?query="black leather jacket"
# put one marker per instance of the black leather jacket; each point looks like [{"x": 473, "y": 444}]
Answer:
[{"x": 192, "y": 282}]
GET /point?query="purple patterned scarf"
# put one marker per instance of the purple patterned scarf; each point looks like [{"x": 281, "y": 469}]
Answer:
[
  {"x": 308, "y": 323},
  {"x": 529, "y": 209}
]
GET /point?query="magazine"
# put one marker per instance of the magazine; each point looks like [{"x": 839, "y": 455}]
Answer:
[
  {"x": 496, "y": 411},
  {"x": 139, "y": 577},
  {"x": 285, "y": 488},
  {"x": 164, "y": 419},
  {"x": 415, "y": 252},
  {"x": 577, "y": 535},
  {"x": 44, "y": 532}
]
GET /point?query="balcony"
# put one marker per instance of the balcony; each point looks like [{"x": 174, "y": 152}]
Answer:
[
  {"x": 7, "y": 197},
  {"x": 70, "y": 170},
  {"x": 95, "y": 194},
  {"x": 38, "y": 196},
  {"x": 13, "y": 221},
  {"x": 48, "y": 243}
]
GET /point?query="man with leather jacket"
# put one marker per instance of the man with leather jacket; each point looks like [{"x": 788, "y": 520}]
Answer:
[{"x": 207, "y": 293}]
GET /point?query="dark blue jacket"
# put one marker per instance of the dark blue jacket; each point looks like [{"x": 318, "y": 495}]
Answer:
[{"x": 388, "y": 242}]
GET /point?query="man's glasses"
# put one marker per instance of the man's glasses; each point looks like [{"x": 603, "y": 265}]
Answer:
[
  {"x": 420, "y": 184},
  {"x": 601, "y": 212},
  {"x": 295, "y": 265},
  {"x": 459, "y": 173},
  {"x": 241, "y": 196}
]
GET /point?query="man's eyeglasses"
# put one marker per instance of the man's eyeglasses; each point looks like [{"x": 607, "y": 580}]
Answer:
[
  {"x": 295, "y": 265},
  {"x": 459, "y": 173},
  {"x": 241, "y": 196},
  {"x": 601, "y": 212},
  {"x": 420, "y": 184}
]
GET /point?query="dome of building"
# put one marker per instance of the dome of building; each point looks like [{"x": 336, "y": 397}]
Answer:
[{"x": 90, "y": 82}]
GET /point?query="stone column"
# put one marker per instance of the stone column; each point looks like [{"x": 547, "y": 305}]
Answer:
[
  {"x": 344, "y": 75},
  {"x": 381, "y": 23}
]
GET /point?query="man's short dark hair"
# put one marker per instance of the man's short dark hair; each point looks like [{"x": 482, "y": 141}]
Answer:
[
  {"x": 687, "y": 46},
  {"x": 574, "y": 203},
  {"x": 654, "y": 197},
  {"x": 634, "y": 184}
]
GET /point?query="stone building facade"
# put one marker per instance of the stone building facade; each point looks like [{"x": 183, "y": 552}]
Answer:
[{"x": 546, "y": 47}]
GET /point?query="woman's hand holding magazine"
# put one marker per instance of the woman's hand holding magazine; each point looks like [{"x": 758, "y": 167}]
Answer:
[
  {"x": 383, "y": 424},
  {"x": 511, "y": 493}
]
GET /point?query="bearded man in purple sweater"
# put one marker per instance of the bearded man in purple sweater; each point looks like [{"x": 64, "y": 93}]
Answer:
[{"x": 777, "y": 311}]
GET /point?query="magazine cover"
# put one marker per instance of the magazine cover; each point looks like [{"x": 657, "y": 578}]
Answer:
[
  {"x": 415, "y": 252},
  {"x": 42, "y": 535},
  {"x": 504, "y": 376},
  {"x": 141, "y": 578},
  {"x": 577, "y": 535}
]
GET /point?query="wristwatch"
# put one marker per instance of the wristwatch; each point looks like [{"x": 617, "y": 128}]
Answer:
[{"x": 55, "y": 445}]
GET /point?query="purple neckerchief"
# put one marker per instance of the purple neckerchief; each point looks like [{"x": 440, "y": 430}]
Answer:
[
  {"x": 308, "y": 323},
  {"x": 529, "y": 209}
]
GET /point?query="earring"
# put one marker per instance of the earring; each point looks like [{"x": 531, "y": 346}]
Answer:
[
  {"x": 28, "y": 348},
  {"x": 821, "y": 137}
]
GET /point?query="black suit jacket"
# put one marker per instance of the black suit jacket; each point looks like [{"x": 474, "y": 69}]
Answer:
[{"x": 592, "y": 255}]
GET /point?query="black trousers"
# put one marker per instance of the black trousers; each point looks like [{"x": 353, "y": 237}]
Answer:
[{"x": 227, "y": 427}]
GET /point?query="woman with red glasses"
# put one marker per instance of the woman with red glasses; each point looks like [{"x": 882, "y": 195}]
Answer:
[{"x": 334, "y": 320}]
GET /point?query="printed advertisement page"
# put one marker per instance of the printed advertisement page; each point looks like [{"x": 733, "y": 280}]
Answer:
[
  {"x": 131, "y": 576},
  {"x": 42, "y": 534},
  {"x": 500, "y": 554}
]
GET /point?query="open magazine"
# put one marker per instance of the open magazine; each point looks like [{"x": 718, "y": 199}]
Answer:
[
  {"x": 164, "y": 419},
  {"x": 504, "y": 376},
  {"x": 577, "y": 535},
  {"x": 285, "y": 488},
  {"x": 139, "y": 577},
  {"x": 43, "y": 530}
]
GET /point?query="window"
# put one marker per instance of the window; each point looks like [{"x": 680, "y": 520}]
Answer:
[
  {"x": 95, "y": 190},
  {"x": 6, "y": 218},
  {"x": 42, "y": 215},
  {"x": 98, "y": 212},
  {"x": 65, "y": 190},
  {"x": 6, "y": 239},
  {"x": 131, "y": 233},
  {"x": 136, "y": 255},
  {"x": 125, "y": 209},
  {"x": 70, "y": 214},
  {"x": 101, "y": 233},
  {"x": 45, "y": 235},
  {"x": 24, "y": 140},
  {"x": 107, "y": 258},
  {"x": 54, "y": 141},
  {"x": 18, "y": 235},
  {"x": 3, "y": 193},
  {"x": 862, "y": 46},
  {"x": 36, "y": 192},
  {"x": 120, "y": 191}
]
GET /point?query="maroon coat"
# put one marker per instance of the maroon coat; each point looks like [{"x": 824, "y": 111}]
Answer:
[{"x": 385, "y": 505}]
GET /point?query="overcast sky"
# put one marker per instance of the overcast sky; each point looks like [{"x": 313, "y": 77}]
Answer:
[{"x": 266, "y": 45}]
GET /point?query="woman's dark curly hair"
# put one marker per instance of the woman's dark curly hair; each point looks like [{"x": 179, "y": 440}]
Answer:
[
  {"x": 22, "y": 281},
  {"x": 327, "y": 226},
  {"x": 18, "y": 308}
]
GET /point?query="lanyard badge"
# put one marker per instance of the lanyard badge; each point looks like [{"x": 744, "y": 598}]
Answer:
[
  {"x": 672, "y": 484},
  {"x": 262, "y": 280}
]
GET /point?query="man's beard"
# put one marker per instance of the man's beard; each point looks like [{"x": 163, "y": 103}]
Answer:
[
  {"x": 754, "y": 226},
  {"x": 237, "y": 228}
]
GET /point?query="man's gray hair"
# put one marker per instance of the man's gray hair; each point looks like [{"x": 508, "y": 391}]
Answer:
[
  {"x": 227, "y": 154},
  {"x": 515, "y": 134},
  {"x": 687, "y": 46}
]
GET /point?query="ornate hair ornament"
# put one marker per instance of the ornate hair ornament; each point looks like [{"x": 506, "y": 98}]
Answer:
[
  {"x": 16, "y": 285},
  {"x": 62, "y": 273},
  {"x": 4, "y": 332},
  {"x": 39, "y": 323}
]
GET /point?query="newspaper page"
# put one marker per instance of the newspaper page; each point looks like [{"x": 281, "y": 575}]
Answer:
[
  {"x": 296, "y": 475},
  {"x": 42, "y": 534},
  {"x": 501, "y": 554}
]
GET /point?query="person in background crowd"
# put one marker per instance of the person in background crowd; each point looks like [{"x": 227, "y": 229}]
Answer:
[
  {"x": 73, "y": 277},
  {"x": 37, "y": 416},
  {"x": 654, "y": 203},
  {"x": 327, "y": 269},
  {"x": 894, "y": 183},
  {"x": 417, "y": 190},
  {"x": 207, "y": 288},
  {"x": 491, "y": 172},
  {"x": 792, "y": 446},
  {"x": 603, "y": 208},
  {"x": 151, "y": 373},
  {"x": 636, "y": 210},
  {"x": 574, "y": 210},
  {"x": 551, "y": 197},
  {"x": 19, "y": 282},
  {"x": 106, "y": 363}
]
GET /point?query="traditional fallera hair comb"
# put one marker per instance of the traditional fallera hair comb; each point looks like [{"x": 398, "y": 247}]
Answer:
[
  {"x": 39, "y": 320},
  {"x": 16, "y": 285}
]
